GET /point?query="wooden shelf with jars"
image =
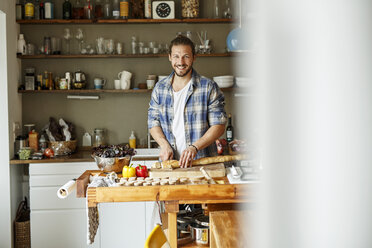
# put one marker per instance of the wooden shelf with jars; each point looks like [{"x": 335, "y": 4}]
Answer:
[
  {"x": 127, "y": 21},
  {"x": 81, "y": 56},
  {"x": 90, "y": 91}
]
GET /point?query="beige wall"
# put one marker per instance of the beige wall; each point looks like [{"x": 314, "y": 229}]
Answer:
[{"x": 118, "y": 113}]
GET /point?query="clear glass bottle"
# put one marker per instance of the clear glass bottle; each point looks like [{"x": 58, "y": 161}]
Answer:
[
  {"x": 88, "y": 10},
  {"x": 107, "y": 11},
  {"x": 115, "y": 9},
  {"x": 227, "y": 12},
  {"x": 134, "y": 45},
  {"x": 99, "y": 137},
  {"x": 67, "y": 10},
  {"x": 216, "y": 10}
]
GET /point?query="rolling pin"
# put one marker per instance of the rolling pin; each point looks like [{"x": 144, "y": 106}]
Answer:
[{"x": 207, "y": 176}]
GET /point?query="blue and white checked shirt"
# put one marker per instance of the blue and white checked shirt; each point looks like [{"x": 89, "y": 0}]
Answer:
[{"x": 205, "y": 107}]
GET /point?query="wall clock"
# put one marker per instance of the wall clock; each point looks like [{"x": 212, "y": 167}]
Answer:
[{"x": 163, "y": 9}]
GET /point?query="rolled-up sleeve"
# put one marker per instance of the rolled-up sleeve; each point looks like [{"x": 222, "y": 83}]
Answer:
[
  {"x": 216, "y": 106},
  {"x": 153, "y": 117}
]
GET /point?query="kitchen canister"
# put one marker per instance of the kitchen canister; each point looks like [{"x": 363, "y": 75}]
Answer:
[{"x": 190, "y": 8}]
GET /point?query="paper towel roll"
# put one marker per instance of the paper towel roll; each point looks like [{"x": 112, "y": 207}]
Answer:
[{"x": 66, "y": 189}]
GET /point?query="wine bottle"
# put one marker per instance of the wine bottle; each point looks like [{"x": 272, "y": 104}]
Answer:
[
  {"x": 229, "y": 130},
  {"x": 67, "y": 10}
]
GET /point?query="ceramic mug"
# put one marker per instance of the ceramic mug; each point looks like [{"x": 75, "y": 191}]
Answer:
[
  {"x": 150, "y": 83},
  {"x": 117, "y": 84},
  {"x": 99, "y": 83}
]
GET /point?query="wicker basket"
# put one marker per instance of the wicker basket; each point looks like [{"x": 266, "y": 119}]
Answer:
[{"x": 22, "y": 233}]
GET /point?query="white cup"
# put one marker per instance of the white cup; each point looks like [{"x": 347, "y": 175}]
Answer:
[
  {"x": 117, "y": 84},
  {"x": 150, "y": 83}
]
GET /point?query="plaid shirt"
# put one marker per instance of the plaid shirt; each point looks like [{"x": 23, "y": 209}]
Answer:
[{"x": 204, "y": 108}]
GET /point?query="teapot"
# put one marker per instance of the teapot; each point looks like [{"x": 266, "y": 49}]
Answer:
[{"x": 124, "y": 77}]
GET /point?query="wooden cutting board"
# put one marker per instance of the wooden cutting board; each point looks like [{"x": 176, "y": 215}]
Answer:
[{"x": 214, "y": 170}]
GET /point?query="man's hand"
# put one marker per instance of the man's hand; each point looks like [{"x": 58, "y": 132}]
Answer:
[
  {"x": 187, "y": 156},
  {"x": 166, "y": 152}
]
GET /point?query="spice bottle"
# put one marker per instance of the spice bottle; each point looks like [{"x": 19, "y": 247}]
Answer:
[
  {"x": 29, "y": 10},
  {"x": 124, "y": 9},
  {"x": 115, "y": 9},
  {"x": 107, "y": 9},
  {"x": 78, "y": 10},
  {"x": 99, "y": 137},
  {"x": 98, "y": 9},
  {"x": 42, "y": 11},
  {"x": 132, "y": 140},
  {"x": 33, "y": 140},
  {"x": 88, "y": 10},
  {"x": 147, "y": 7},
  {"x": 43, "y": 143},
  {"x": 50, "y": 81}
]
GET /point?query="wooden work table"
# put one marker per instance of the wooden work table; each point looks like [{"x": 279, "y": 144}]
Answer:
[{"x": 172, "y": 195}]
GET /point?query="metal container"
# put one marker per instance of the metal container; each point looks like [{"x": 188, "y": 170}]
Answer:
[
  {"x": 20, "y": 142},
  {"x": 111, "y": 164},
  {"x": 200, "y": 234}
]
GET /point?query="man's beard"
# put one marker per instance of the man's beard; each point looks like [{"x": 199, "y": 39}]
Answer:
[{"x": 186, "y": 72}]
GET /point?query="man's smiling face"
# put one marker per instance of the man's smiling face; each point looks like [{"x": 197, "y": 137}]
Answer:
[{"x": 181, "y": 59}]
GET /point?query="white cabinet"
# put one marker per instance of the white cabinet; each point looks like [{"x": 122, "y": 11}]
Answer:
[
  {"x": 55, "y": 222},
  {"x": 63, "y": 223}
]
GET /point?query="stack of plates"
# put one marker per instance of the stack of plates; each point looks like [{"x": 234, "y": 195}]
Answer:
[{"x": 224, "y": 81}]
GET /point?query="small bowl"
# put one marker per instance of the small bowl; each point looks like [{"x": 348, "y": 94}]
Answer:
[
  {"x": 243, "y": 82},
  {"x": 224, "y": 81},
  {"x": 111, "y": 164}
]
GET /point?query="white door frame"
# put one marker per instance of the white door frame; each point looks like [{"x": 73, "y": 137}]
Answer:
[{"x": 5, "y": 209}]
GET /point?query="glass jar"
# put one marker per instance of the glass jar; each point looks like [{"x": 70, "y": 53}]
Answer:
[
  {"x": 99, "y": 137},
  {"x": 190, "y": 8}
]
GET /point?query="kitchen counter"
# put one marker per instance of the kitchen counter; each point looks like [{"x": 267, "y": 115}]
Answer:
[{"x": 84, "y": 155}]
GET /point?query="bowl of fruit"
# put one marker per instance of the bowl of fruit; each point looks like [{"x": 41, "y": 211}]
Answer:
[{"x": 113, "y": 157}]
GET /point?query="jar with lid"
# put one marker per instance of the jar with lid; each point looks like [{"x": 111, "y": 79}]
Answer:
[
  {"x": 99, "y": 137},
  {"x": 190, "y": 8},
  {"x": 30, "y": 78}
]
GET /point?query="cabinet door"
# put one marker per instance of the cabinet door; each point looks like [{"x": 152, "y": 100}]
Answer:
[
  {"x": 46, "y": 198},
  {"x": 60, "y": 229},
  {"x": 122, "y": 224},
  {"x": 75, "y": 168}
]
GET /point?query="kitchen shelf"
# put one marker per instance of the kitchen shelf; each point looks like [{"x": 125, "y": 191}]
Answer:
[
  {"x": 90, "y": 91},
  {"x": 81, "y": 56},
  {"x": 128, "y": 21}
]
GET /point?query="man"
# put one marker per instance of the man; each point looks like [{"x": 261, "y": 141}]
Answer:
[{"x": 186, "y": 113}]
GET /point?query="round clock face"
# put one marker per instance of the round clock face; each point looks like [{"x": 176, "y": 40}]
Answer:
[{"x": 163, "y": 10}]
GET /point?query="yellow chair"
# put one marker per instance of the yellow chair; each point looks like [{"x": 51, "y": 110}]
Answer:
[{"x": 157, "y": 238}]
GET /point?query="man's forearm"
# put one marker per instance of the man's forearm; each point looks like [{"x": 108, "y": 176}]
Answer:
[
  {"x": 159, "y": 137},
  {"x": 213, "y": 133}
]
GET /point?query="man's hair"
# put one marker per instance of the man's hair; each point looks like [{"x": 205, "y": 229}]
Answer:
[{"x": 182, "y": 40}]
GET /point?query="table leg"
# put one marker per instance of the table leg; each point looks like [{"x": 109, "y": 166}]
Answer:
[
  {"x": 172, "y": 229},
  {"x": 172, "y": 208}
]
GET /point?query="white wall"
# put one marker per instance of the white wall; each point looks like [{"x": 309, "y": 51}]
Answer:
[{"x": 10, "y": 110}]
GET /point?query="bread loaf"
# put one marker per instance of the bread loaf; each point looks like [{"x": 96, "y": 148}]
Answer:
[
  {"x": 217, "y": 159},
  {"x": 170, "y": 164}
]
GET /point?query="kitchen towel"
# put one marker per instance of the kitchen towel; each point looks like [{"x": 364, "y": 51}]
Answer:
[{"x": 66, "y": 189}]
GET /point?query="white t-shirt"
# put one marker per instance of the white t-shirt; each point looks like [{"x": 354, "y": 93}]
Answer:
[{"x": 178, "y": 125}]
